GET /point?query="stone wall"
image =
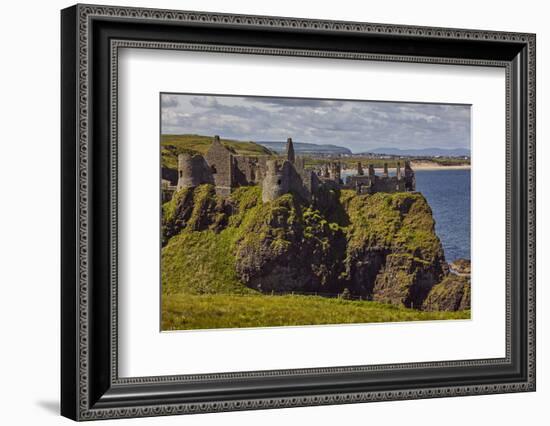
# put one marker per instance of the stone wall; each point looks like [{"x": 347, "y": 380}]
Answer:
[
  {"x": 283, "y": 178},
  {"x": 410, "y": 180},
  {"x": 276, "y": 181},
  {"x": 226, "y": 170},
  {"x": 248, "y": 170},
  {"x": 222, "y": 166},
  {"x": 193, "y": 171},
  {"x": 169, "y": 175},
  {"x": 372, "y": 183}
]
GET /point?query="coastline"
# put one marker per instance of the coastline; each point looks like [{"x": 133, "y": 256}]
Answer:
[
  {"x": 420, "y": 166},
  {"x": 430, "y": 165},
  {"x": 423, "y": 166}
]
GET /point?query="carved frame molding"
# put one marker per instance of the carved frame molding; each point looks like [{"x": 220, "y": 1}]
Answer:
[{"x": 77, "y": 339}]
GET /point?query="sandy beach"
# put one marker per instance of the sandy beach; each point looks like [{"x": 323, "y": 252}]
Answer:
[{"x": 428, "y": 165}]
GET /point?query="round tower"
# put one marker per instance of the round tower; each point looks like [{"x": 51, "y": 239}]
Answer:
[
  {"x": 275, "y": 181},
  {"x": 192, "y": 171}
]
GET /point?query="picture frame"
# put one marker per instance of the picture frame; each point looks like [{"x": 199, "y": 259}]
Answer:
[{"x": 90, "y": 384}]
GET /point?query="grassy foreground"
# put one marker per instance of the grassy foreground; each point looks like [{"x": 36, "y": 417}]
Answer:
[{"x": 188, "y": 312}]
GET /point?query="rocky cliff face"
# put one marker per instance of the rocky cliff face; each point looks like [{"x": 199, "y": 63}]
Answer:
[
  {"x": 381, "y": 247},
  {"x": 287, "y": 246},
  {"x": 393, "y": 253},
  {"x": 452, "y": 294}
]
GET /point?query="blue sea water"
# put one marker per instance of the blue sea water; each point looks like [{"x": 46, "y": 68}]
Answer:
[{"x": 448, "y": 194}]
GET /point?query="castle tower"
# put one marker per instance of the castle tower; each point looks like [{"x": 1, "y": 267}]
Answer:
[
  {"x": 290, "y": 156},
  {"x": 275, "y": 181},
  {"x": 335, "y": 171},
  {"x": 222, "y": 165},
  {"x": 193, "y": 171},
  {"x": 410, "y": 180},
  {"x": 386, "y": 174},
  {"x": 398, "y": 171},
  {"x": 372, "y": 173},
  {"x": 360, "y": 171}
]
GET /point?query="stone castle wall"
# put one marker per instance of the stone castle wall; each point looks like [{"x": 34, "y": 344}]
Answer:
[
  {"x": 276, "y": 181},
  {"x": 222, "y": 166},
  {"x": 226, "y": 170},
  {"x": 249, "y": 170},
  {"x": 193, "y": 171},
  {"x": 371, "y": 183}
]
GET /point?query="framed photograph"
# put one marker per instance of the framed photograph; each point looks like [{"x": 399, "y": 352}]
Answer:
[{"x": 263, "y": 212}]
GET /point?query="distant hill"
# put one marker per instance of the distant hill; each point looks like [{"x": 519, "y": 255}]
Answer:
[
  {"x": 431, "y": 152},
  {"x": 305, "y": 148},
  {"x": 172, "y": 145}
]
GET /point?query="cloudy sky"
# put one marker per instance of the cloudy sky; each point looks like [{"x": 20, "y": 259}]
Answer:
[{"x": 357, "y": 125}]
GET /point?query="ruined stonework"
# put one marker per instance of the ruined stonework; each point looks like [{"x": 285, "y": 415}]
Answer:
[
  {"x": 167, "y": 190},
  {"x": 410, "y": 180},
  {"x": 373, "y": 183},
  {"x": 248, "y": 170},
  {"x": 223, "y": 168},
  {"x": 276, "y": 181},
  {"x": 288, "y": 176},
  {"x": 290, "y": 156},
  {"x": 193, "y": 171}
]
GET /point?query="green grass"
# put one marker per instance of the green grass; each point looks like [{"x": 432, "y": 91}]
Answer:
[
  {"x": 394, "y": 220},
  {"x": 172, "y": 145},
  {"x": 200, "y": 284},
  {"x": 200, "y": 263},
  {"x": 186, "y": 312}
]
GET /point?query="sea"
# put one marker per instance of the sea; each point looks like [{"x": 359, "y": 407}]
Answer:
[{"x": 448, "y": 194}]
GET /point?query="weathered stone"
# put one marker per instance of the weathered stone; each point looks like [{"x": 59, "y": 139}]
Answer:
[
  {"x": 270, "y": 256},
  {"x": 461, "y": 267},
  {"x": 452, "y": 294},
  {"x": 405, "y": 280},
  {"x": 226, "y": 170},
  {"x": 373, "y": 183},
  {"x": 193, "y": 171}
]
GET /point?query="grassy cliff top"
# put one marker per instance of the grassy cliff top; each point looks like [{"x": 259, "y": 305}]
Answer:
[
  {"x": 172, "y": 145},
  {"x": 219, "y": 242},
  {"x": 401, "y": 222}
]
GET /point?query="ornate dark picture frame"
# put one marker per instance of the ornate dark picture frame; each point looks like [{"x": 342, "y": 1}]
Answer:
[{"x": 91, "y": 37}]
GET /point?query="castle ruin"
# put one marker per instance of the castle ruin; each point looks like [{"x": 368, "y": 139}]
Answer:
[
  {"x": 226, "y": 170},
  {"x": 371, "y": 183}
]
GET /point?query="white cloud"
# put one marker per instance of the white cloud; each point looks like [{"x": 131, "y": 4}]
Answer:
[{"x": 358, "y": 125}]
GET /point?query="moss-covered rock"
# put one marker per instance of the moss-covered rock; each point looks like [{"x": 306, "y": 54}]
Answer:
[
  {"x": 285, "y": 245},
  {"x": 451, "y": 294},
  {"x": 393, "y": 253},
  {"x": 382, "y": 247},
  {"x": 194, "y": 209},
  {"x": 461, "y": 267}
]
